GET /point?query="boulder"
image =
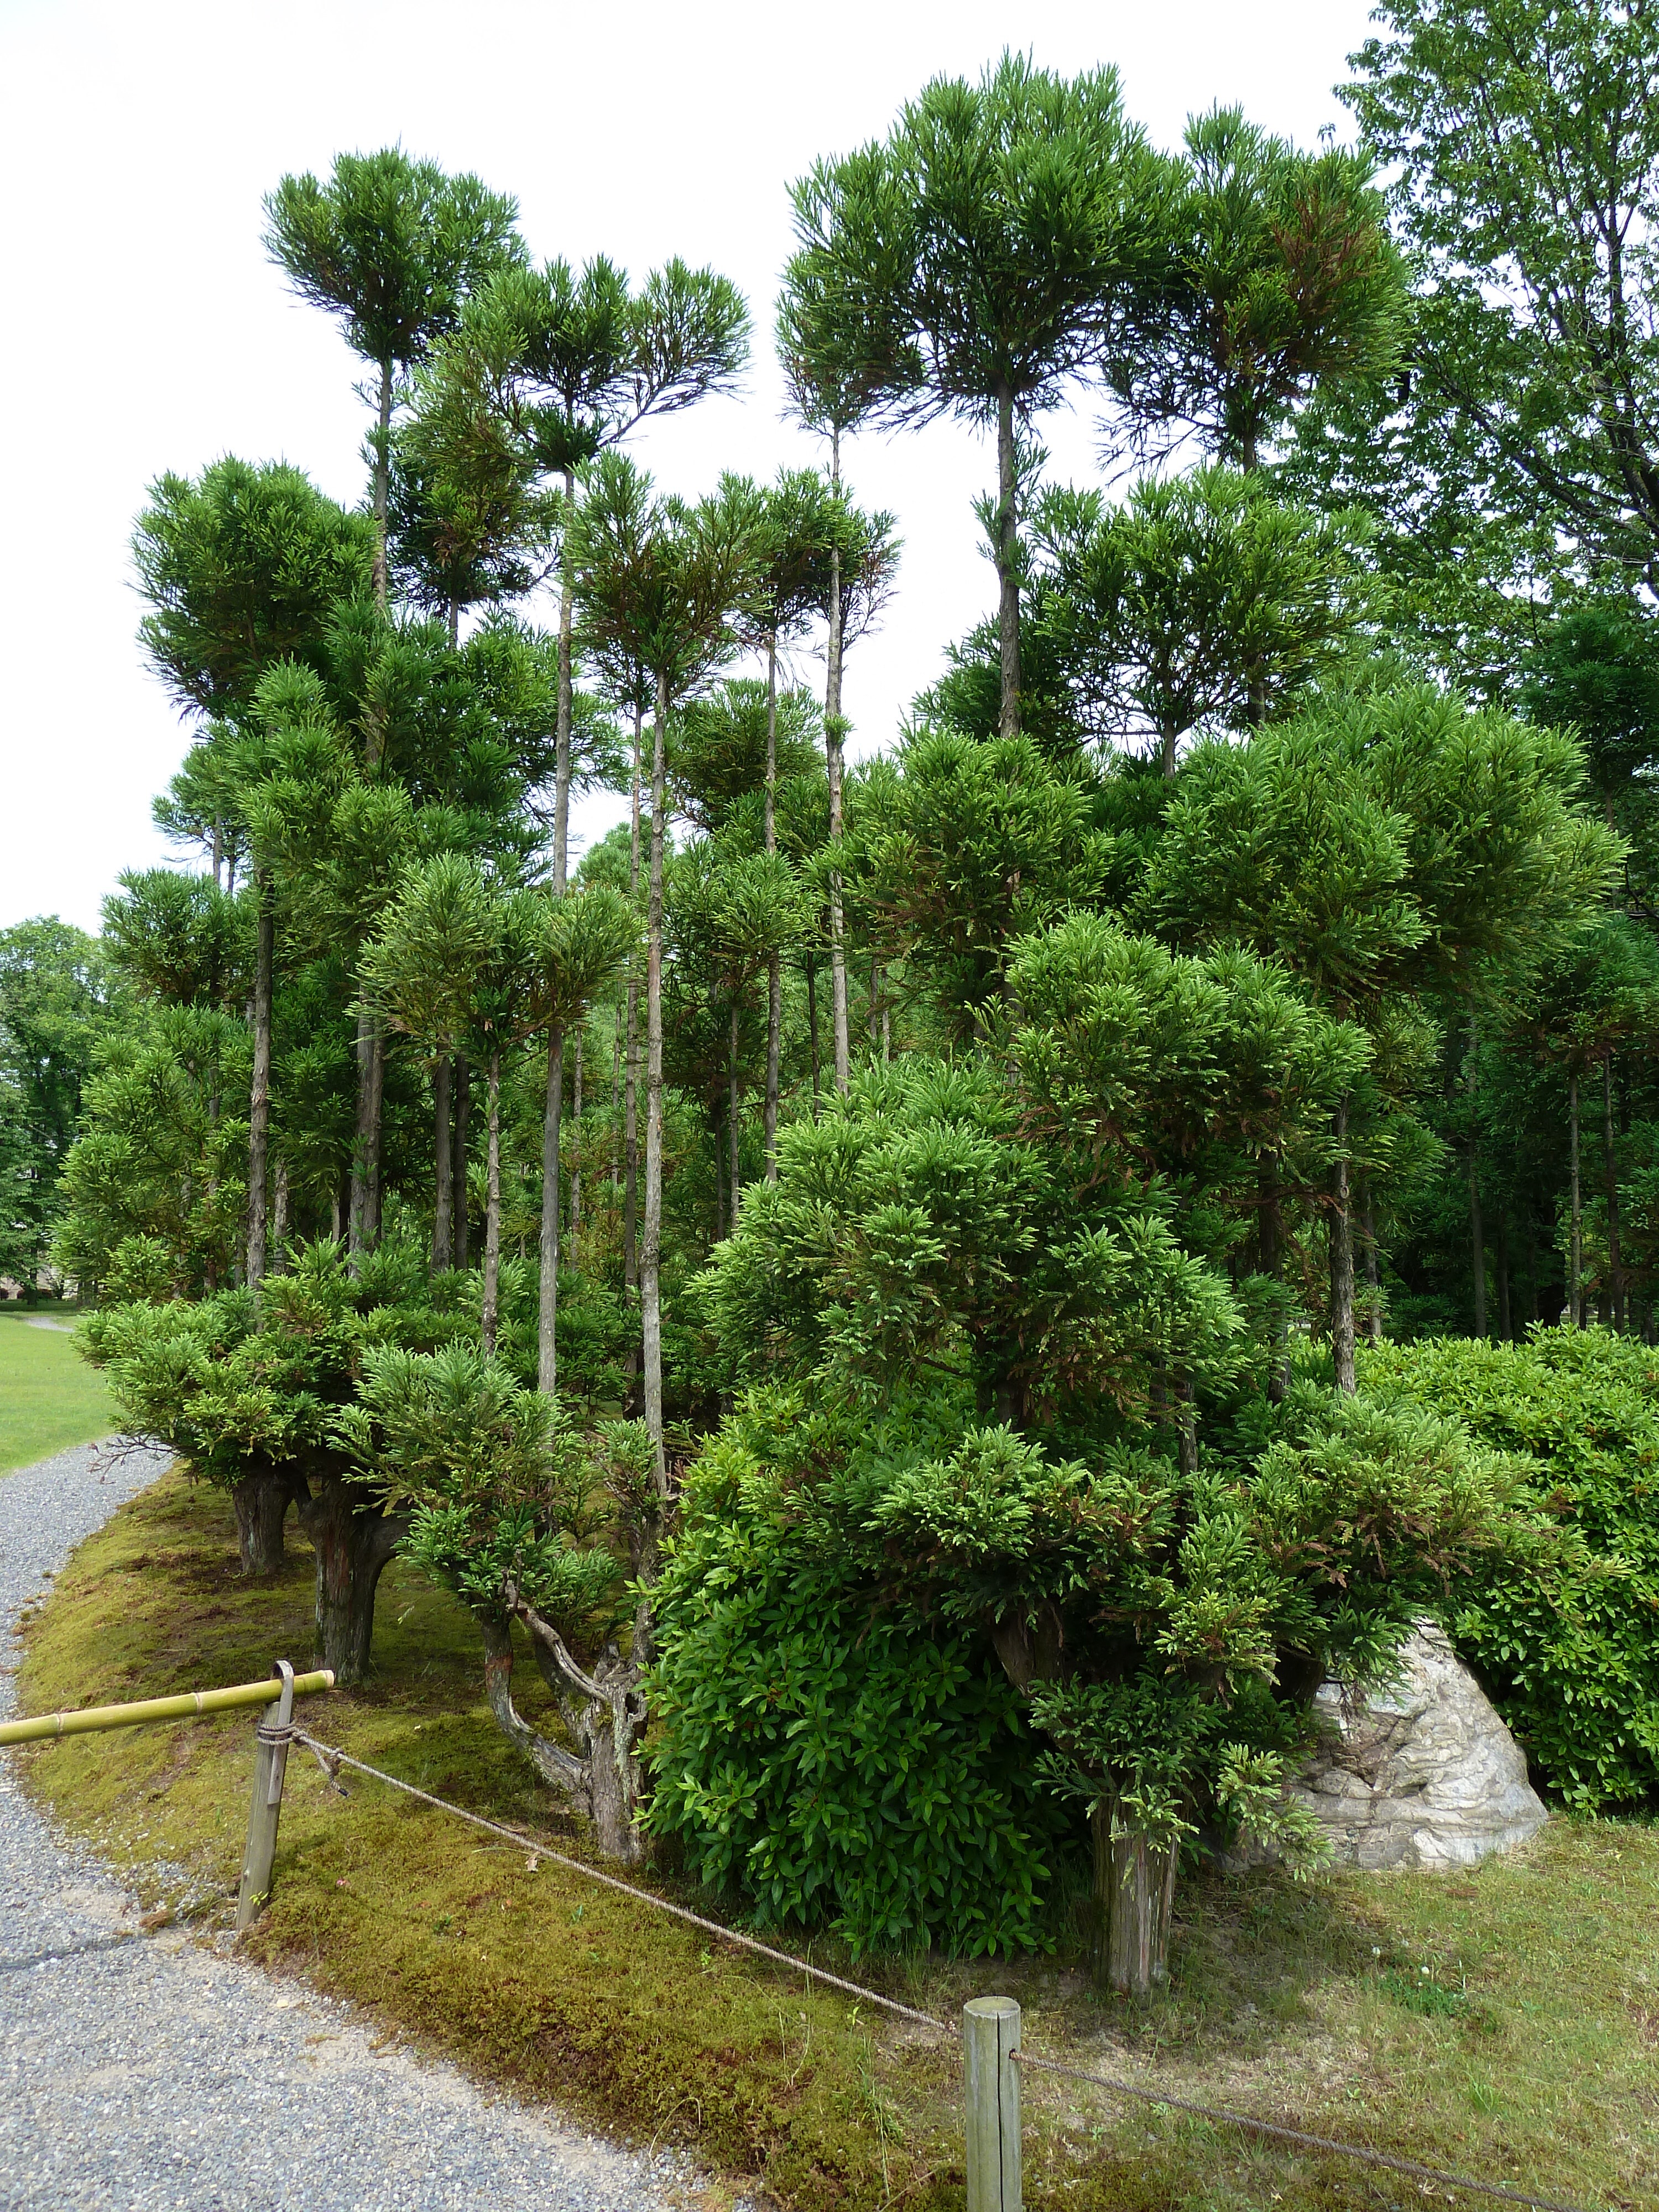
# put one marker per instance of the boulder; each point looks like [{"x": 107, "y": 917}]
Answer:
[{"x": 1421, "y": 1774}]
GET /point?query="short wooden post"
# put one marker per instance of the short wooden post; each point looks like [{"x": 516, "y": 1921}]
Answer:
[
  {"x": 990, "y": 2037},
  {"x": 270, "y": 1765}
]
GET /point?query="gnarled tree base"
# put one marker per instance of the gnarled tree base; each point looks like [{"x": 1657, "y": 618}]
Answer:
[{"x": 353, "y": 1537}]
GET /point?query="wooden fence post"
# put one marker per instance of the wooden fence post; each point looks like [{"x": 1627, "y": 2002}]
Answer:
[
  {"x": 270, "y": 1765},
  {"x": 990, "y": 2037}
]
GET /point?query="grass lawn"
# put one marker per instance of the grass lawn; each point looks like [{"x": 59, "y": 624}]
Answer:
[
  {"x": 49, "y": 1397},
  {"x": 1505, "y": 2023}
]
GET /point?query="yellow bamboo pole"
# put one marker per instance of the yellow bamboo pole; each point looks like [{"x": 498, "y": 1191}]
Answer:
[{"x": 95, "y": 1718}]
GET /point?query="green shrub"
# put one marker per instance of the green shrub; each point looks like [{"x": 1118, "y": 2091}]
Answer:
[
  {"x": 1574, "y": 1671},
  {"x": 816, "y": 1745}
]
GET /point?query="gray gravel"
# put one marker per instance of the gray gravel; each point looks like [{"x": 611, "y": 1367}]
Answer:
[{"x": 140, "y": 2072}]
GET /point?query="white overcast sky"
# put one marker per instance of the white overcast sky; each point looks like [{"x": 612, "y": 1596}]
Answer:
[{"x": 147, "y": 332}]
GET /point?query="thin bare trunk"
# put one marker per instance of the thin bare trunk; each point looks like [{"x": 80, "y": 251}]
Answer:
[
  {"x": 382, "y": 477},
  {"x": 630, "y": 1104},
  {"x": 492, "y": 1262},
  {"x": 1341, "y": 1235},
  {"x": 812, "y": 1025},
  {"x": 1576, "y": 1235},
  {"x": 732, "y": 1107},
  {"x": 1610, "y": 1184},
  {"x": 773, "y": 966},
  {"x": 561, "y": 728},
  {"x": 462, "y": 1196},
  {"x": 1506, "y": 1332},
  {"x": 1373, "y": 1282},
  {"x": 1007, "y": 567},
  {"x": 651, "y": 1256},
  {"x": 279, "y": 1215},
  {"x": 835, "y": 729},
  {"x": 1477, "y": 1232},
  {"x": 443, "y": 1233},
  {"x": 259, "y": 1119},
  {"x": 576, "y": 1154},
  {"x": 547, "y": 1316},
  {"x": 455, "y": 625},
  {"x": 616, "y": 1101}
]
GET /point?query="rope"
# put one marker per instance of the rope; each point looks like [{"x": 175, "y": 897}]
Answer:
[
  {"x": 1295, "y": 2135},
  {"x": 330, "y": 1760}
]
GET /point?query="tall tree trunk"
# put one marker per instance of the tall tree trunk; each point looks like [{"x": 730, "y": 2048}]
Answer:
[
  {"x": 279, "y": 1214},
  {"x": 1270, "y": 1245},
  {"x": 443, "y": 1233},
  {"x": 873, "y": 1010},
  {"x": 462, "y": 1198},
  {"x": 651, "y": 1255},
  {"x": 812, "y": 1024},
  {"x": 731, "y": 1106},
  {"x": 835, "y": 729},
  {"x": 1477, "y": 1235},
  {"x": 492, "y": 1259},
  {"x": 1506, "y": 1332},
  {"x": 616, "y": 1102},
  {"x": 1373, "y": 1283},
  {"x": 455, "y": 625},
  {"x": 576, "y": 1152},
  {"x": 1576, "y": 1235},
  {"x": 774, "y": 965},
  {"x": 1134, "y": 1896},
  {"x": 258, "y": 1118},
  {"x": 630, "y": 1102},
  {"x": 382, "y": 479},
  {"x": 1008, "y": 566},
  {"x": 1340, "y": 1236},
  {"x": 719, "y": 1181},
  {"x": 547, "y": 1316},
  {"x": 1610, "y": 1184}
]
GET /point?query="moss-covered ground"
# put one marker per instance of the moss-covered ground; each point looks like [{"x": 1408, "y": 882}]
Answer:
[
  {"x": 49, "y": 1397},
  {"x": 1505, "y": 2023}
]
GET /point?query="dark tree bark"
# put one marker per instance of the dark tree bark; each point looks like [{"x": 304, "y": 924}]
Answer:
[
  {"x": 731, "y": 1110},
  {"x": 631, "y": 1094},
  {"x": 576, "y": 1153},
  {"x": 1135, "y": 1894},
  {"x": 1505, "y": 1331},
  {"x": 260, "y": 1501},
  {"x": 353, "y": 1537}
]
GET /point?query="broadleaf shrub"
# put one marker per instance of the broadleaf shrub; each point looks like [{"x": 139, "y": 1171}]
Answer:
[
  {"x": 820, "y": 1747},
  {"x": 1574, "y": 1669}
]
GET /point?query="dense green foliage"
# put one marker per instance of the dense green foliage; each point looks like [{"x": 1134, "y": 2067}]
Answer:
[
  {"x": 1575, "y": 1669},
  {"x": 836, "y": 1259},
  {"x": 821, "y": 1743}
]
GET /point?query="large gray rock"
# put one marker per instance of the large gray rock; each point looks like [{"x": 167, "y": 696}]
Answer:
[{"x": 1422, "y": 1774}]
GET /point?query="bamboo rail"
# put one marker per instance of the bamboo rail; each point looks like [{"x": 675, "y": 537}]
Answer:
[{"x": 94, "y": 1719}]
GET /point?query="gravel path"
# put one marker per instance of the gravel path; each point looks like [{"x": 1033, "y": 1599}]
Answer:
[{"x": 138, "y": 2073}]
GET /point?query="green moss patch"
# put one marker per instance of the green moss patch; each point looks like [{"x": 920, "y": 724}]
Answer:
[{"x": 1531, "y": 2062}]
